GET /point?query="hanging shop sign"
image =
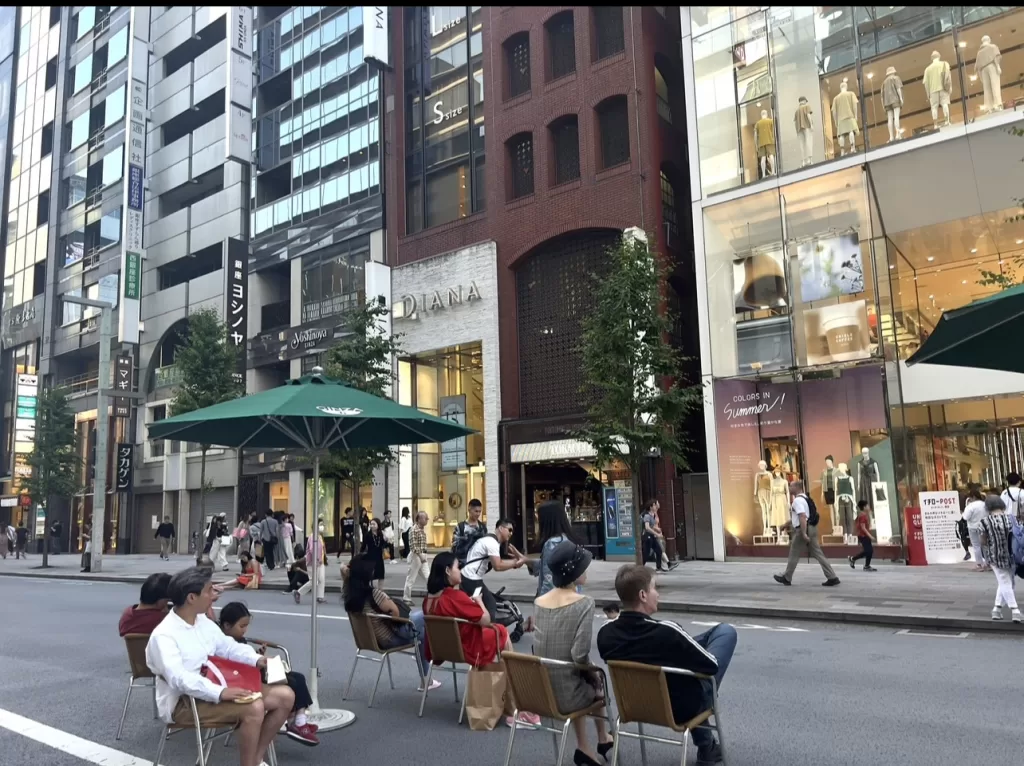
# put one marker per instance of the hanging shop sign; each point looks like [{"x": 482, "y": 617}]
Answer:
[
  {"x": 410, "y": 306},
  {"x": 125, "y": 466},
  {"x": 293, "y": 343},
  {"x": 940, "y": 511},
  {"x": 375, "y": 34},
  {"x": 23, "y": 324},
  {"x": 236, "y": 298},
  {"x": 123, "y": 383},
  {"x": 453, "y": 451},
  {"x": 238, "y": 94}
]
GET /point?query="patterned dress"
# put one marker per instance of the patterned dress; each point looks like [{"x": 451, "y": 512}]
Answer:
[{"x": 565, "y": 634}]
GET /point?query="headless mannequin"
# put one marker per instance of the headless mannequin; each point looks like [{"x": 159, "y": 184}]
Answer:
[
  {"x": 763, "y": 495},
  {"x": 804, "y": 125},
  {"x": 764, "y": 140},
  {"x": 988, "y": 67},
  {"x": 828, "y": 489},
  {"x": 892, "y": 100},
  {"x": 938, "y": 83},
  {"x": 844, "y": 113},
  {"x": 781, "y": 500}
]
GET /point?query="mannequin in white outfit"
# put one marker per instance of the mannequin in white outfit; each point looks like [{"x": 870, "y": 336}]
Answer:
[
  {"x": 892, "y": 100},
  {"x": 938, "y": 83},
  {"x": 844, "y": 114},
  {"x": 988, "y": 67},
  {"x": 804, "y": 124}
]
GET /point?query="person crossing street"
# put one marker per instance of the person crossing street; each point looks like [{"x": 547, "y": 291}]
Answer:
[
  {"x": 803, "y": 536},
  {"x": 418, "y": 564}
]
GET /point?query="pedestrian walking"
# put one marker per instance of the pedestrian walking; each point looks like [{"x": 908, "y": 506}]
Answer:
[
  {"x": 651, "y": 537},
  {"x": 348, "y": 532},
  {"x": 269, "y": 535},
  {"x": 287, "y": 539},
  {"x": 418, "y": 565},
  {"x": 996, "y": 531},
  {"x": 314, "y": 551},
  {"x": 373, "y": 547},
  {"x": 165, "y": 534},
  {"x": 863, "y": 527},
  {"x": 1013, "y": 496},
  {"x": 387, "y": 528},
  {"x": 56, "y": 532},
  {"x": 404, "y": 525},
  {"x": 86, "y": 547},
  {"x": 974, "y": 513},
  {"x": 21, "y": 541},
  {"x": 7, "y": 541},
  {"x": 803, "y": 536},
  {"x": 215, "y": 545}
]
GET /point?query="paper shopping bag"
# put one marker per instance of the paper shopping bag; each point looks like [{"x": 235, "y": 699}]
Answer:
[{"x": 485, "y": 697}]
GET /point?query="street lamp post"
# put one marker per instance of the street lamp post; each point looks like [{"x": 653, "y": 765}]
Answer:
[{"x": 99, "y": 498}]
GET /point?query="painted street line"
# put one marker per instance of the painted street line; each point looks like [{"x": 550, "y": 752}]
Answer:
[
  {"x": 741, "y": 626},
  {"x": 911, "y": 632},
  {"x": 91, "y": 752},
  {"x": 304, "y": 615}
]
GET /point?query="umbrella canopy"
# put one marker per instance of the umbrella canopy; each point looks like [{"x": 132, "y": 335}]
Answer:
[
  {"x": 312, "y": 413},
  {"x": 978, "y": 335}
]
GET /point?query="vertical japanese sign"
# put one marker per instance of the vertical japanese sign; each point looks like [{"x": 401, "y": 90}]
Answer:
[
  {"x": 375, "y": 34},
  {"x": 236, "y": 309},
  {"x": 132, "y": 253},
  {"x": 123, "y": 384},
  {"x": 125, "y": 466},
  {"x": 239, "y": 85},
  {"x": 27, "y": 393}
]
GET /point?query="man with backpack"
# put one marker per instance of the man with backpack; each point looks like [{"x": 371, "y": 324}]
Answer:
[
  {"x": 803, "y": 535},
  {"x": 484, "y": 556},
  {"x": 468, "y": 532}
]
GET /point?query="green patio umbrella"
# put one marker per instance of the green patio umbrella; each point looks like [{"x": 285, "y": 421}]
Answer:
[
  {"x": 981, "y": 334},
  {"x": 313, "y": 414}
]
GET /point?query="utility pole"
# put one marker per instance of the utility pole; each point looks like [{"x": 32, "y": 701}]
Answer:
[{"x": 99, "y": 498}]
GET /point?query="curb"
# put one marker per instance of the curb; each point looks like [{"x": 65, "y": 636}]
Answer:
[{"x": 724, "y": 610}]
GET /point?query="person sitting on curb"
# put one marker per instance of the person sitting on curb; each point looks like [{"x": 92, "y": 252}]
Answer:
[
  {"x": 635, "y": 636},
  {"x": 179, "y": 648},
  {"x": 143, "y": 617}
]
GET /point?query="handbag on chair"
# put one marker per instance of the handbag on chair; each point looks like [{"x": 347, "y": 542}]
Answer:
[{"x": 233, "y": 675}]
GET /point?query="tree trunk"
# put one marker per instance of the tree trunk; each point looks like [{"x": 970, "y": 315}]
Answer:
[
  {"x": 638, "y": 529},
  {"x": 357, "y": 529},
  {"x": 202, "y": 494},
  {"x": 46, "y": 535}
]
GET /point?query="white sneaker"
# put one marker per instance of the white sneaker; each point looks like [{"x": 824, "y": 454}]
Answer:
[
  {"x": 434, "y": 684},
  {"x": 997, "y": 613},
  {"x": 1015, "y": 615}
]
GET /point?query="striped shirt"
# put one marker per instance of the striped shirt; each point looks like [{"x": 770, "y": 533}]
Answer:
[
  {"x": 418, "y": 540},
  {"x": 998, "y": 528}
]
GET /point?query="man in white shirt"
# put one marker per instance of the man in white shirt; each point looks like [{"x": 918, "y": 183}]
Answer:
[
  {"x": 176, "y": 653},
  {"x": 804, "y": 536},
  {"x": 484, "y": 556},
  {"x": 1013, "y": 496}
]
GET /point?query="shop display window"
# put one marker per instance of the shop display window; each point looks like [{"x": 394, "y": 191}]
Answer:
[{"x": 991, "y": 49}]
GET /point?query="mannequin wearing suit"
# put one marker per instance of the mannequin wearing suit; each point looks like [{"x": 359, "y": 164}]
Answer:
[{"x": 988, "y": 67}]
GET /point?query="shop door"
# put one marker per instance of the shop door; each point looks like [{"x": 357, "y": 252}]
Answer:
[
  {"x": 148, "y": 514},
  {"x": 697, "y": 516}
]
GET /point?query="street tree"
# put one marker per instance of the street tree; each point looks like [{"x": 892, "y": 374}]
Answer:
[
  {"x": 633, "y": 378},
  {"x": 55, "y": 463},
  {"x": 207, "y": 368},
  {"x": 363, "y": 359}
]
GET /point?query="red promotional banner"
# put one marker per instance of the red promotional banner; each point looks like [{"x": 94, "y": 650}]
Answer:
[{"x": 914, "y": 535}]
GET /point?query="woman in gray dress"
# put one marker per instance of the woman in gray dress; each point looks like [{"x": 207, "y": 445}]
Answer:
[{"x": 563, "y": 630}]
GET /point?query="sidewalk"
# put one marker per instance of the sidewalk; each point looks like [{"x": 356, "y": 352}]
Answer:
[{"x": 936, "y": 597}]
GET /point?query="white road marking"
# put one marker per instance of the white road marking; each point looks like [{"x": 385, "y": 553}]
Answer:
[
  {"x": 295, "y": 614},
  {"x": 92, "y": 752},
  {"x": 911, "y": 632},
  {"x": 741, "y": 626}
]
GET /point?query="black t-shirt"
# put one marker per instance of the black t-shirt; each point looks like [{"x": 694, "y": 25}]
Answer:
[
  {"x": 21, "y": 534},
  {"x": 347, "y": 525}
]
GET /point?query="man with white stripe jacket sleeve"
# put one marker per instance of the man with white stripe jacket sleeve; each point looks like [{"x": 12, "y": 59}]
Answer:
[{"x": 635, "y": 636}]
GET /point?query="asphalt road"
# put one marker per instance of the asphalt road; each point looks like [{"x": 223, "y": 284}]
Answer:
[{"x": 799, "y": 694}]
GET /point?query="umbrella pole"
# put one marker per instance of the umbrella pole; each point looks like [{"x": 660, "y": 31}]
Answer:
[{"x": 326, "y": 719}]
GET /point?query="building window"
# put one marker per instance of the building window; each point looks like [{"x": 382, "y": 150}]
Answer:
[
  {"x": 565, "y": 139},
  {"x": 43, "y": 209},
  {"x": 83, "y": 74},
  {"x": 661, "y": 92},
  {"x": 613, "y": 125},
  {"x": 561, "y": 34},
  {"x": 668, "y": 212},
  {"x": 517, "y": 58},
  {"x": 608, "y": 31},
  {"x": 520, "y": 154},
  {"x": 334, "y": 279}
]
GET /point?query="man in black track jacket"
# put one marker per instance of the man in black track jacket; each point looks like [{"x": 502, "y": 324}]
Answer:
[{"x": 635, "y": 636}]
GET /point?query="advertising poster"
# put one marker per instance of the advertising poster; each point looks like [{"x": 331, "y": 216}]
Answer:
[
  {"x": 837, "y": 333},
  {"x": 759, "y": 282},
  {"x": 618, "y": 503},
  {"x": 453, "y": 451},
  {"x": 940, "y": 512},
  {"x": 611, "y": 517},
  {"x": 830, "y": 268}
]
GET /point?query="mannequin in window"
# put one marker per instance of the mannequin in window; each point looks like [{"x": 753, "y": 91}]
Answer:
[
  {"x": 845, "y": 494},
  {"x": 764, "y": 140},
  {"x": 867, "y": 472},
  {"x": 892, "y": 100},
  {"x": 780, "y": 498},
  {"x": 988, "y": 67},
  {"x": 828, "y": 489},
  {"x": 938, "y": 84},
  {"x": 763, "y": 494},
  {"x": 844, "y": 113},
  {"x": 804, "y": 125}
]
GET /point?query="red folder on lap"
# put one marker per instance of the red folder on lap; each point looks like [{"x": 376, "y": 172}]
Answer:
[{"x": 236, "y": 675}]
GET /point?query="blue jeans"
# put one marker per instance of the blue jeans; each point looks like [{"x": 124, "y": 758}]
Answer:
[
  {"x": 405, "y": 635},
  {"x": 721, "y": 642}
]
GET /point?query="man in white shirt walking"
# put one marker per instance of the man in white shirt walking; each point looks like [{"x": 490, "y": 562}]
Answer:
[
  {"x": 176, "y": 653},
  {"x": 418, "y": 564},
  {"x": 804, "y": 536}
]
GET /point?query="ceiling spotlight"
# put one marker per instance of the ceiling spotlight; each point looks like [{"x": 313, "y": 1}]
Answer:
[
  {"x": 1020, "y": 241},
  {"x": 930, "y": 297},
  {"x": 892, "y": 265},
  {"x": 974, "y": 250},
  {"x": 931, "y": 258},
  {"x": 871, "y": 75},
  {"x": 964, "y": 282},
  {"x": 974, "y": 78},
  {"x": 963, "y": 43}
]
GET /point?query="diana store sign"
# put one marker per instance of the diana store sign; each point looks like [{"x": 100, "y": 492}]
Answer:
[{"x": 411, "y": 306}]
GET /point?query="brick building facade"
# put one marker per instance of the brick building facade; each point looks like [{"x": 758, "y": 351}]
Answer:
[{"x": 547, "y": 131}]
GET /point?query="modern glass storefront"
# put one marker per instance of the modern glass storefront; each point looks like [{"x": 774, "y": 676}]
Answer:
[{"x": 783, "y": 88}]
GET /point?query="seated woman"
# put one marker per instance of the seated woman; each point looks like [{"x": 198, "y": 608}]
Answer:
[
  {"x": 446, "y": 599},
  {"x": 250, "y": 579},
  {"x": 297, "y": 575},
  {"x": 360, "y": 595},
  {"x": 563, "y": 629},
  {"x": 234, "y": 621}
]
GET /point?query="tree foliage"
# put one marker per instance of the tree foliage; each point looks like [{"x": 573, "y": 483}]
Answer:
[
  {"x": 207, "y": 364},
  {"x": 633, "y": 377},
  {"x": 1010, "y": 267},
  {"x": 55, "y": 463},
  {"x": 362, "y": 359}
]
